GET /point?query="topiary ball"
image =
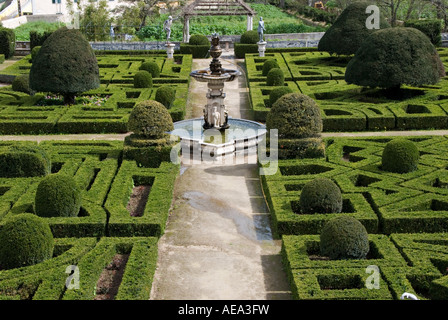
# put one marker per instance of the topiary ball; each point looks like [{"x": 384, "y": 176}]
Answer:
[
  {"x": 400, "y": 156},
  {"x": 24, "y": 161},
  {"x": 152, "y": 68},
  {"x": 150, "y": 119},
  {"x": 321, "y": 195},
  {"x": 25, "y": 240},
  {"x": 166, "y": 95},
  {"x": 21, "y": 83},
  {"x": 57, "y": 195},
  {"x": 142, "y": 79},
  {"x": 344, "y": 238},
  {"x": 198, "y": 40},
  {"x": 275, "y": 77},
  {"x": 277, "y": 93},
  {"x": 268, "y": 65},
  {"x": 295, "y": 116},
  {"x": 250, "y": 37}
]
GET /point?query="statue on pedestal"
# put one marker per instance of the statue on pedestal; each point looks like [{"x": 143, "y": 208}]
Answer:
[
  {"x": 167, "y": 27},
  {"x": 261, "y": 29}
]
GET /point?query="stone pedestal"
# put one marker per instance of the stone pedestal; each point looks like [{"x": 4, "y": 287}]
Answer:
[
  {"x": 215, "y": 112},
  {"x": 261, "y": 48},
  {"x": 169, "y": 50}
]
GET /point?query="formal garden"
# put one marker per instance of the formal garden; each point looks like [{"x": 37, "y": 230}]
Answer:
[{"x": 339, "y": 205}]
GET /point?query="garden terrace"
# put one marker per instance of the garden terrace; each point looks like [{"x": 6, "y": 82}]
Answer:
[
  {"x": 406, "y": 216},
  {"x": 349, "y": 107},
  {"x": 102, "y": 110}
]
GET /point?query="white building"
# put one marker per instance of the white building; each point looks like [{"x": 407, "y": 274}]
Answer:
[{"x": 60, "y": 6}]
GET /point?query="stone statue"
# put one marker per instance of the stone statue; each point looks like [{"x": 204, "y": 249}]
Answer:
[
  {"x": 261, "y": 29},
  {"x": 216, "y": 116},
  {"x": 167, "y": 27}
]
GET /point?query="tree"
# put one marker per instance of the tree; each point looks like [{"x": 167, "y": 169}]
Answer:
[
  {"x": 66, "y": 65},
  {"x": 395, "y": 56},
  {"x": 392, "y": 6}
]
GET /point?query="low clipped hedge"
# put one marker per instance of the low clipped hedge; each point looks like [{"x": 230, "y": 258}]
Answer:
[
  {"x": 24, "y": 161},
  {"x": 240, "y": 49},
  {"x": 431, "y": 27},
  {"x": 198, "y": 46}
]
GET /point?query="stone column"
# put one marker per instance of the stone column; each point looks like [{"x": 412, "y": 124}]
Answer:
[
  {"x": 186, "y": 29},
  {"x": 249, "y": 22},
  {"x": 261, "y": 48},
  {"x": 169, "y": 50}
]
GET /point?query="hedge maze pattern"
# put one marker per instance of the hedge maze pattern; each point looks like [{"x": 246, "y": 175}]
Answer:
[
  {"x": 21, "y": 113},
  {"x": 103, "y": 228},
  {"x": 406, "y": 216},
  {"x": 349, "y": 107}
]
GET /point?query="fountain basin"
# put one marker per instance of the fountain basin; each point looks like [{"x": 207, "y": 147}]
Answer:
[
  {"x": 242, "y": 135},
  {"x": 205, "y": 75}
]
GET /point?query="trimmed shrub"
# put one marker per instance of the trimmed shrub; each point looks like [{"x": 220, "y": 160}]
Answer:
[
  {"x": 400, "y": 156},
  {"x": 241, "y": 49},
  {"x": 152, "y": 68},
  {"x": 275, "y": 77},
  {"x": 150, "y": 119},
  {"x": 166, "y": 95},
  {"x": 66, "y": 65},
  {"x": 198, "y": 52},
  {"x": 21, "y": 83},
  {"x": 57, "y": 195},
  {"x": 26, "y": 240},
  {"x": 321, "y": 195},
  {"x": 250, "y": 37},
  {"x": 38, "y": 39},
  {"x": 34, "y": 52},
  {"x": 142, "y": 79},
  {"x": 277, "y": 93},
  {"x": 268, "y": 65},
  {"x": 411, "y": 59},
  {"x": 432, "y": 28},
  {"x": 24, "y": 161},
  {"x": 349, "y": 30},
  {"x": 344, "y": 238},
  {"x": 199, "y": 40},
  {"x": 295, "y": 116},
  {"x": 7, "y": 42}
]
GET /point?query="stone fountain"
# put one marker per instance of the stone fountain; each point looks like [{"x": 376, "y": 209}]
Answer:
[{"x": 230, "y": 135}]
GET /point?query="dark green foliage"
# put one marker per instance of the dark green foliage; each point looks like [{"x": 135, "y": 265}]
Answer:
[
  {"x": 411, "y": 59},
  {"x": 197, "y": 51},
  {"x": 26, "y": 240},
  {"x": 166, "y": 95},
  {"x": 275, "y": 77},
  {"x": 150, "y": 119},
  {"x": 24, "y": 161},
  {"x": 277, "y": 93},
  {"x": 314, "y": 13},
  {"x": 57, "y": 195},
  {"x": 431, "y": 27},
  {"x": 66, "y": 64},
  {"x": 400, "y": 156},
  {"x": 268, "y": 65},
  {"x": 321, "y": 195},
  {"x": 21, "y": 83},
  {"x": 2, "y": 58},
  {"x": 347, "y": 33},
  {"x": 152, "y": 68},
  {"x": 344, "y": 238},
  {"x": 7, "y": 42},
  {"x": 250, "y": 37},
  {"x": 38, "y": 39},
  {"x": 199, "y": 40},
  {"x": 34, "y": 52},
  {"x": 142, "y": 79},
  {"x": 241, "y": 49},
  {"x": 295, "y": 116}
]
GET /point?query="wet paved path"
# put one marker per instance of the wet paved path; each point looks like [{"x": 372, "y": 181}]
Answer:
[{"x": 218, "y": 242}]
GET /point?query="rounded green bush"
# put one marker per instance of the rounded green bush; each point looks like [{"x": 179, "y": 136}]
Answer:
[
  {"x": 24, "y": 161},
  {"x": 250, "y": 37},
  {"x": 150, "y": 119},
  {"x": 25, "y": 240},
  {"x": 152, "y": 68},
  {"x": 321, "y": 195},
  {"x": 21, "y": 83},
  {"x": 344, "y": 238},
  {"x": 66, "y": 64},
  {"x": 400, "y": 156},
  {"x": 34, "y": 52},
  {"x": 346, "y": 34},
  {"x": 142, "y": 79},
  {"x": 295, "y": 116},
  {"x": 166, "y": 95},
  {"x": 411, "y": 59},
  {"x": 198, "y": 40},
  {"x": 268, "y": 65},
  {"x": 57, "y": 195},
  {"x": 277, "y": 93},
  {"x": 275, "y": 77}
]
